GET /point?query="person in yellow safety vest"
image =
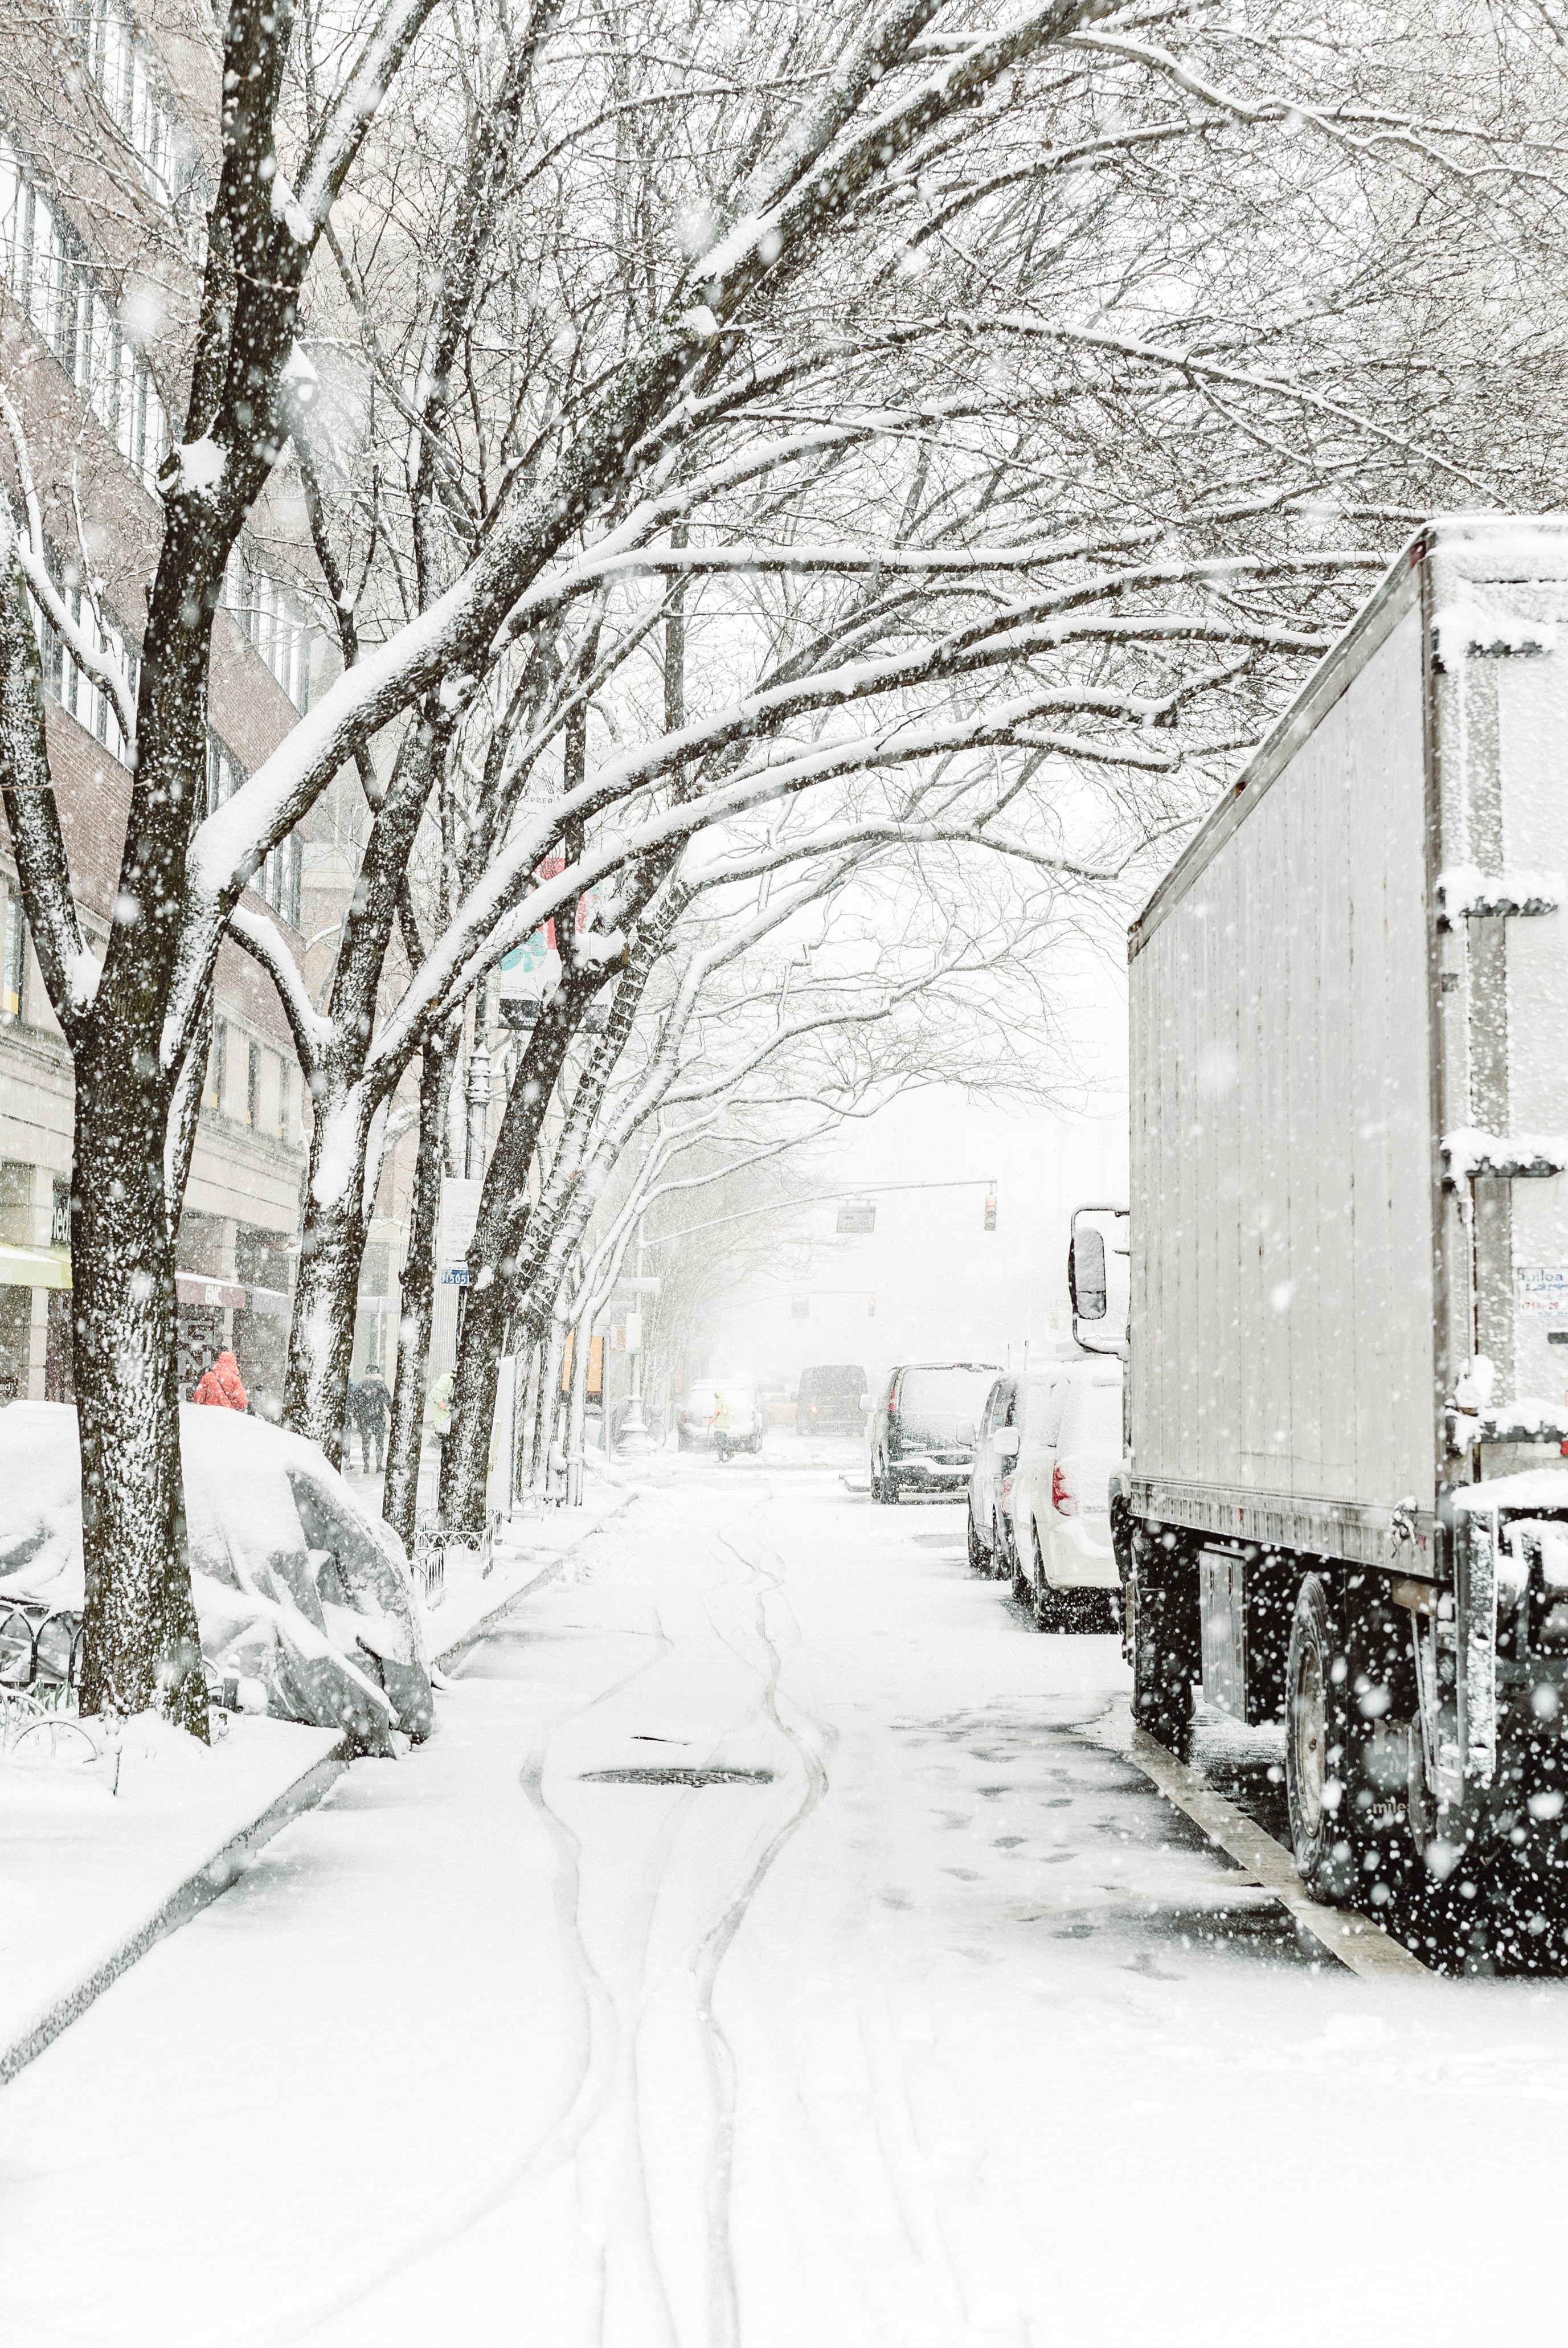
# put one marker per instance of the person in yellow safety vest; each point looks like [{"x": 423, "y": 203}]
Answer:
[{"x": 721, "y": 1421}]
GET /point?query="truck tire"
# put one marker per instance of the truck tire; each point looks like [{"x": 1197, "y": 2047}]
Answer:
[
  {"x": 979, "y": 1562},
  {"x": 1163, "y": 1637},
  {"x": 1349, "y": 1679},
  {"x": 1322, "y": 1780},
  {"x": 1000, "y": 1564}
]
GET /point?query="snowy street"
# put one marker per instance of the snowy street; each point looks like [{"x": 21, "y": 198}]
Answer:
[{"x": 918, "y": 2017}]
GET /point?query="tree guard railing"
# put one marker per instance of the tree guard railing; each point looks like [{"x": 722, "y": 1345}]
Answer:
[{"x": 40, "y": 1646}]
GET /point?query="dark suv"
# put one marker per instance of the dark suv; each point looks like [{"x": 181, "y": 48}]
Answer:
[
  {"x": 829, "y": 1400},
  {"x": 921, "y": 1436}
]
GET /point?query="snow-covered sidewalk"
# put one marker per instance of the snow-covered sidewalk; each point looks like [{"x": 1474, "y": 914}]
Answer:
[
  {"x": 526, "y": 1551},
  {"x": 93, "y": 1871},
  {"x": 97, "y": 1863}
]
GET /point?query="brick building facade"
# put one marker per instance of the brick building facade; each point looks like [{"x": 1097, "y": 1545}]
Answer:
[{"x": 106, "y": 147}]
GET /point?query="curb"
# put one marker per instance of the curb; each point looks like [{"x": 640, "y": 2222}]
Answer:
[
  {"x": 447, "y": 1658},
  {"x": 198, "y": 1891}
]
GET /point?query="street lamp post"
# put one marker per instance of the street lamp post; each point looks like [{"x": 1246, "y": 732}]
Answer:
[
  {"x": 478, "y": 1088},
  {"x": 634, "y": 1441}
]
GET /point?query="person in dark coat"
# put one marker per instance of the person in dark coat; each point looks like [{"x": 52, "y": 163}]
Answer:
[{"x": 371, "y": 1403}]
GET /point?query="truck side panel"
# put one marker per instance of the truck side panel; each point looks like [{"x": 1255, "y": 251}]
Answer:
[
  {"x": 1532, "y": 730},
  {"x": 1281, "y": 1107}
]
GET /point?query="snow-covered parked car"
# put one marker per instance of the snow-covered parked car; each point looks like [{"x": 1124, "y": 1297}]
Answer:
[
  {"x": 920, "y": 1437},
  {"x": 1071, "y": 1444},
  {"x": 306, "y": 1603},
  {"x": 992, "y": 1467}
]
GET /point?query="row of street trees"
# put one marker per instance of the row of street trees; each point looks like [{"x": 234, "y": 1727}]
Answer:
[{"x": 754, "y": 453}]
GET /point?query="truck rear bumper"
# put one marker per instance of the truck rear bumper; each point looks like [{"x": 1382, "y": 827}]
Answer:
[{"x": 1354, "y": 1531}]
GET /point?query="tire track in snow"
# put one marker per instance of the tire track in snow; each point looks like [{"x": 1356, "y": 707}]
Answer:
[
  {"x": 811, "y": 1741},
  {"x": 595, "y": 2067},
  {"x": 619, "y": 2022},
  {"x": 605, "y": 2033}
]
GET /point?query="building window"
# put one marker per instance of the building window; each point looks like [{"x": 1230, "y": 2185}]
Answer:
[
  {"x": 218, "y": 1067},
  {"x": 254, "y": 1086},
  {"x": 12, "y": 957},
  {"x": 277, "y": 623},
  {"x": 60, "y": 1215},
  {"x": 285, "y": 1086},
  {"x": 136, "y": 98},
  {"x": 65, "y": 682},
  {"x": 279, "y": 880},
  {"x": 224, "y": 774},
  {"x": 45, "y": 266},
  {"x": 16, "y": 1204}
]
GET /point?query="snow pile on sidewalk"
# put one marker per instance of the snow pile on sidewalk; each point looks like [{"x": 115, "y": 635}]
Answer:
[
  {"x": 526, "y": 1551},
  {"x": 97, "y": 1839},
  {"x": 302, "y": 1599}
]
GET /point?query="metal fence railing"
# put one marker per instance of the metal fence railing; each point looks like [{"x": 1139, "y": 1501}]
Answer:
[
  {"x": 38, "y": 1646},
  {"x": 429, "y": 1565}
]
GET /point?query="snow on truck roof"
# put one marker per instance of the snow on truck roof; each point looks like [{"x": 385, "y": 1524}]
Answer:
[{"x": 1529, "y": 548}]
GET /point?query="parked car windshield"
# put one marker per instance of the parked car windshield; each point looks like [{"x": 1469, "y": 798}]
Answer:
[
  {"x": 945, "y": 1404},
  {"x": 999, "y": 1403}
]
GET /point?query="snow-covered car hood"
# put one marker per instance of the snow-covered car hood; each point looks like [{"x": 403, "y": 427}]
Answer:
[{"x": 298, "y": 1590}]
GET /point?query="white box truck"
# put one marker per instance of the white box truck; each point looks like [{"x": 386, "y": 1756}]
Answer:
[{"x": 1345, "y": 1502}]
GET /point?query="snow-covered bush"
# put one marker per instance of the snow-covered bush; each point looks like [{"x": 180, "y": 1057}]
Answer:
[{"x": 302, "y": 1598}]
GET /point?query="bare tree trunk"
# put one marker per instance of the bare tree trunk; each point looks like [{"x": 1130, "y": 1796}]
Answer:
[
  {"x": 582, "y": 1346},
  {"x": 141, "y": 1647},
  {"x": 502, "y": 1216},
  {"x": 522, "y": 1433},
  {"x": 331, "y": 1250},
  {"x": 549, "y": 1402},
  {"x": 400, "y": 1495}
]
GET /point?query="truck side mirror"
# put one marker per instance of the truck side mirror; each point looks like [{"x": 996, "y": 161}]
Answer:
[
  {"x": 865, "y": 1401},
  {"x": 1085, "y": 1274},
  {"x": 1004, "y": 1442}
]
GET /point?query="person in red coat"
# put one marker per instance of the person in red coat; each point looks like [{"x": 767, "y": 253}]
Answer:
[{"x": 222, "y": 1386}]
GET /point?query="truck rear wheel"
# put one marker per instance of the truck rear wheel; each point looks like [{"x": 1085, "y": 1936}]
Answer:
[
  {"x": 1351, "y": 1743},
  {"x": 1162, "y": 1615},
  {"x": 1313, "y": 1788}
]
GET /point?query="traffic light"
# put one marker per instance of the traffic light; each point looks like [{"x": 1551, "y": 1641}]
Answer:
[{"x": 991, "y": 1208}]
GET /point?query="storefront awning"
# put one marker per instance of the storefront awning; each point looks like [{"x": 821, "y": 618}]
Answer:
[
  {"x": 193, "y": 1288},
  {"x": 25, "y": 1267},
  {"x": 276, "y": 1303}
]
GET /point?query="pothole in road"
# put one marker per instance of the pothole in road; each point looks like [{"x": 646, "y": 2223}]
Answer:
[{"x": 675, "y": 1776}]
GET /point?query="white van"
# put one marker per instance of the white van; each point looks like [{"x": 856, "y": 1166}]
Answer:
[{"x": 1069, "y": 1444}]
